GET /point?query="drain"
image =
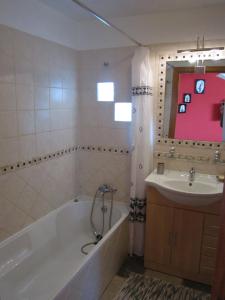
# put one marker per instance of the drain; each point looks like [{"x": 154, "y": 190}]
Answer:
[
  {"x": 75, "y": 200},
  {"x": 190, "y": 184}
]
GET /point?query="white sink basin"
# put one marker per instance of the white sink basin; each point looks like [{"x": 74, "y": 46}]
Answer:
[{"x": 176, "y": 186}]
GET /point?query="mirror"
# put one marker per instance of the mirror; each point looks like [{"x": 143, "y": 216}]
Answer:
[{"x": 194, "y": 99}]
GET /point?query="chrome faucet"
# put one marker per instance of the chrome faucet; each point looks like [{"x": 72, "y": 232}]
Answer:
[
  {"x": 172, "y": 152},
  {"x": 216, "y": 156},
  {"x": 105, "y": 188},
  {"x": 192, "y": 174}
]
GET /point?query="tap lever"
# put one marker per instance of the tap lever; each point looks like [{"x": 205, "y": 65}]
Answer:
[
  {"x": 216, "y": 156},
  {"x": 172, "y": 152},
  {"x": 192, "y": 174}
]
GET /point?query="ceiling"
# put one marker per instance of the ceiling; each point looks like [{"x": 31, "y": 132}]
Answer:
[
  {"x": 125, "y": 8},
  {"x": 148, "y": 21}
]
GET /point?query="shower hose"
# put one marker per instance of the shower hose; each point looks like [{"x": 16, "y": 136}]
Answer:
[{"x": 99, "y": 235}]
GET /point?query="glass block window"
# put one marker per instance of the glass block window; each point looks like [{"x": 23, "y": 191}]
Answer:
[
  {"x": 105, "y": 91},
  {"x": 123, "y": 112}
]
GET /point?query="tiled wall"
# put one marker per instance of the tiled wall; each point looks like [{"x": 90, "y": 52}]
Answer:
[
  {"x": 38, "y": 115},
  {"x": 42, "y": 111},
  {"x": 97, "y": 120},
  {"x": 38, "y": 89}
]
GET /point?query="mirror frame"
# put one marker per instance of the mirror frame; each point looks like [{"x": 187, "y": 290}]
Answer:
[{"x": 163, "y": 59}]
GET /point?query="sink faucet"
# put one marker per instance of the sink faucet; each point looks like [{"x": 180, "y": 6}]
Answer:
[
  {"x": 192, "y": 174},
  {"x": 171, "y": 152},
  {"x": 216, "y": 156}
]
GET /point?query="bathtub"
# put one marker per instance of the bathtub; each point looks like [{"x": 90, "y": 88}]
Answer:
[{"x": 44, "y": 261}]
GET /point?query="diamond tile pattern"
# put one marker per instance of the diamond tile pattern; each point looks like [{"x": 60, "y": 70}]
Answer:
[{"x": 30, "y": 193}]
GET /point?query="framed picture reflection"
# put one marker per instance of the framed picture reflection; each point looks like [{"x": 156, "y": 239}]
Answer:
[{"x": 187, "y": 98}]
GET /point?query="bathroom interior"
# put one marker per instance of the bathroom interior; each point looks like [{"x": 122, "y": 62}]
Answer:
[{"x": 112, "y": 149}]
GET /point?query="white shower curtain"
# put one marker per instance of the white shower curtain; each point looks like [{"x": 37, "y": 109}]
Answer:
[{"x": 142, "y": 145}]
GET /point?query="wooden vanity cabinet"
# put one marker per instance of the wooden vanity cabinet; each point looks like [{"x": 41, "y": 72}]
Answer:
[{"x": 181, "y": 240}]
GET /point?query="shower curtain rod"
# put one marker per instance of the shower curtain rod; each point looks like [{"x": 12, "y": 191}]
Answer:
[{"x": 106, "y": 22}]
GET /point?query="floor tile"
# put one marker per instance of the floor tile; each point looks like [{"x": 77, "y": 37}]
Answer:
[{"x": 113, "y": 288}]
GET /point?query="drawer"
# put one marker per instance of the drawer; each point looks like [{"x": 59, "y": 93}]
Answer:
[
  {"x": 208, "y": 251},
  {"x": 209, "y": 272},
  {"x": 211, "y": 225},
  {"x": 210, "y": 241},
  {"x": 208, "y": 262}
]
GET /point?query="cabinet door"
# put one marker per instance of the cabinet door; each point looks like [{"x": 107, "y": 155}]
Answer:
[
  {"x": 188, "y": 230},
  {"x": 158, "y": 234}
]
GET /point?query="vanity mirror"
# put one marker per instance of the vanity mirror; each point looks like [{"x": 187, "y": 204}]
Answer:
[{"x": 191, "y": 98}]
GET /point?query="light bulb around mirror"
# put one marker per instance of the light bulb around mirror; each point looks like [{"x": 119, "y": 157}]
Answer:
[
  {"x": 215, "y": 54},
  {"x": 192, "y": 59}
]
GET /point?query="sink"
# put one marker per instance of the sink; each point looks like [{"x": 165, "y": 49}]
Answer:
[{"x": 176, "y": 186}]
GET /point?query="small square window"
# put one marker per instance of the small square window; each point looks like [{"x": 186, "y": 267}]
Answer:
[
  {"x": 123, "y": 112},
  {"x": 105, "y": 91}
]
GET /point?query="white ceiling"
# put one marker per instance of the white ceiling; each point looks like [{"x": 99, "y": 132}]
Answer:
[
  {"x": 147, "y": 21},
  {"x": 126, "y": 8}
]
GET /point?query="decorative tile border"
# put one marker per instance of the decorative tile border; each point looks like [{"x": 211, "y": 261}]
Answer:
[
  {"x": 187, "y": 157},
  {"x": 190, "y": 143},
  {"x": 110, "y": 149},
  {"x": 39, "y": 159},
  {"x": 142, "y": 90}
]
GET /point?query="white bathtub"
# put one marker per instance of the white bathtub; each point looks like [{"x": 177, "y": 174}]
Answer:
[{"x": 44, "y": 260}]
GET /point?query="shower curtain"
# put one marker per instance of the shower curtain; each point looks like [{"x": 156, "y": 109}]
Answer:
[{"x": 142, "y": 145}]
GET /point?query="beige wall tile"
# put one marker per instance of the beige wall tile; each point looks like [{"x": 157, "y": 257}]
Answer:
[
  {"x": 56, "y": 78},
  {"x": 41, "y": 75},
  {"x": 56, "y": 98},
  {"x": 42, "y": 118},
  {"x": 26, "y": 200},
  {"x": 70, "y": 79},
  {"x": 9, "y": 151},
  {"x": 7, "y": 96},
  {"x": 40, "y": 208},
  {"x": 43, "y": 143},
  {"x": 24, "y": 97},
  {"x": 27, "y": 147},
  {"x": 11, "y": 186},
  {"x": 41, "y": 97},
  {"x": 8, "y": 124},
  {"x": 26, "y": 122},
  {"x": 69, "y": 98}
]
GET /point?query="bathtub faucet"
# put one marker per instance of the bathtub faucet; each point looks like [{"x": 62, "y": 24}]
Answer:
[{"x": 105, "y": 188}]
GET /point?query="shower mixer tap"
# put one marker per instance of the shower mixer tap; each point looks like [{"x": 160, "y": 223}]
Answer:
[{"x": 105, "y": 188}]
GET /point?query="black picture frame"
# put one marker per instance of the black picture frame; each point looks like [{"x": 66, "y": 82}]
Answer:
[
  {"x": 187, "y": 98},
  {"x": 199, "y": 86},
  {"x": 182, "y": 108}
]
